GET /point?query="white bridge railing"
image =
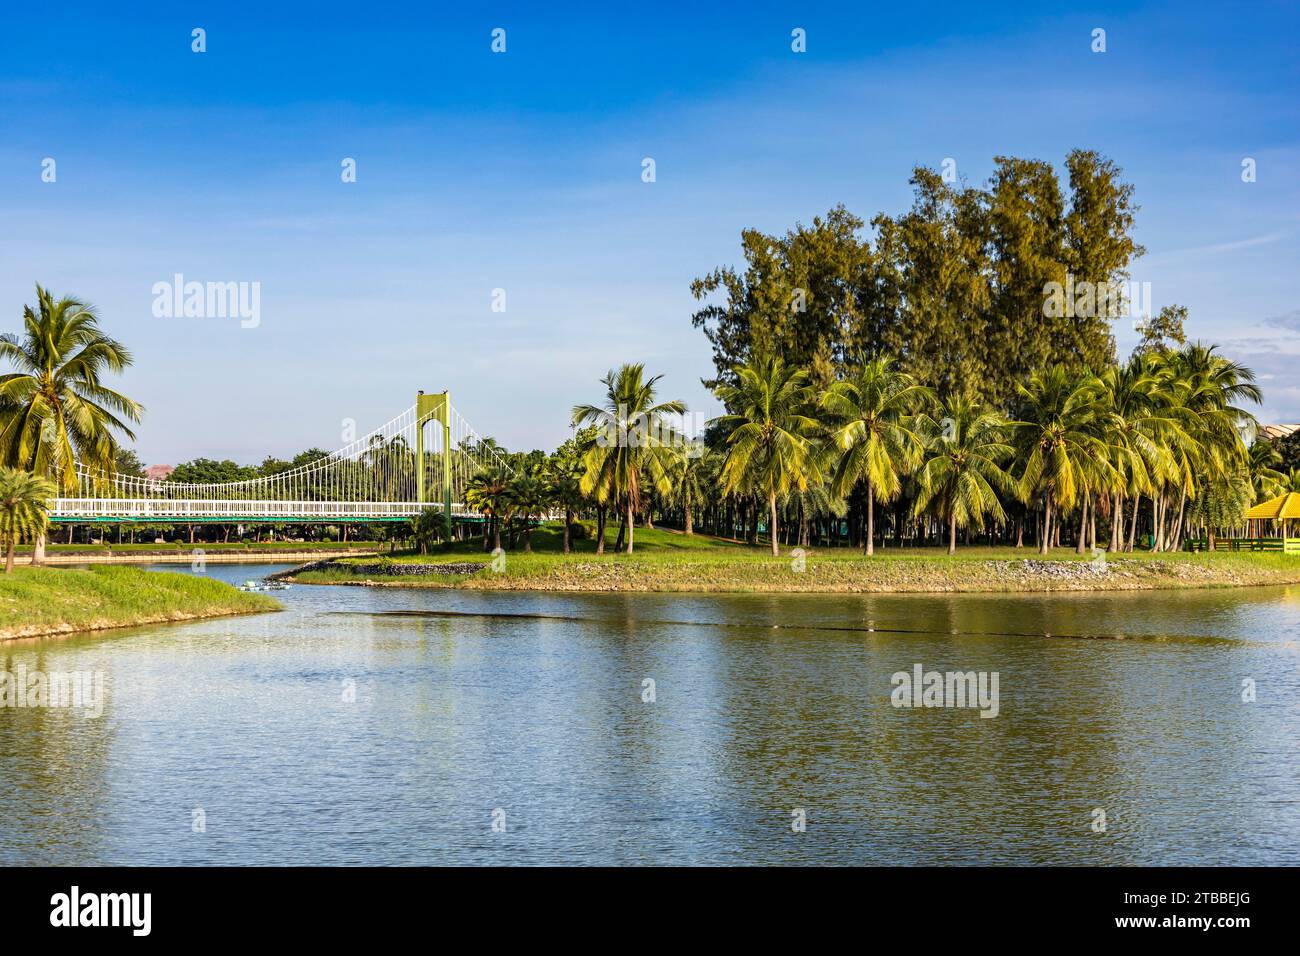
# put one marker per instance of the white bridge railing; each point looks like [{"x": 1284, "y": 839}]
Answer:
[{"x": 162, "y": 509}]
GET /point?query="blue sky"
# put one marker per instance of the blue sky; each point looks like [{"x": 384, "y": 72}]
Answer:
[{"x": 522, "y": 171}]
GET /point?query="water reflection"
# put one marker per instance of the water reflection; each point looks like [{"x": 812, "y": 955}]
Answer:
[{"x": 533, "y": 704}]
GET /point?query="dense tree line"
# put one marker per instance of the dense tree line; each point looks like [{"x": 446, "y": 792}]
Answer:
[
  {"x": 954, "y": 288},
  {"x": 950, "y": 371}
]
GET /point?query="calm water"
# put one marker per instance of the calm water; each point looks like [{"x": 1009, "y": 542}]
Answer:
[{"x": 531, "y": 705}]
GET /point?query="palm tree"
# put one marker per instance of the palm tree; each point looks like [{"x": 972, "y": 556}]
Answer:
[
  {"x": 1221, "y": 505},
  {"x": 1205, "y": 386},
  {"x": 527, "y": 499},
  {"x": 633, "y": 445},
  {"x": 878, "y": 434},
  {"x": 597, "y": 481},
  {"x": 563, "y": 487},
  {"x": 769, "y": 447},
  {"x": 486, "y": 493},
  {"x": 812, "y": 505},
  {"x": 1141, "y": 428},
  {"x": 1062, "y": 456},
  {"x": 55, "y": 410},
  {"x": 963, "y": 474},
  {"x": 1265, "y": 480},
  {"x": 428, "y": 527},
  {"x": 686, "y": 478},
  {"x": 24, "y": 501}
]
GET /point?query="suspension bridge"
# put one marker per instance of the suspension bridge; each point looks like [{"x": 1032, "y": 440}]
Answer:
[{"x": 422, "y": 458}]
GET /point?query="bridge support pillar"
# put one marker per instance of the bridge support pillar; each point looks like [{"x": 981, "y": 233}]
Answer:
[{"x": 437, "y": 408}]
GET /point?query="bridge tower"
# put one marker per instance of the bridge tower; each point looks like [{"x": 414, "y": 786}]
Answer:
[{"x": 434, "y": 408}]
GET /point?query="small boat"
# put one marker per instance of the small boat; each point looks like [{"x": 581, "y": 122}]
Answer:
[{"x": 264, "y": 586}]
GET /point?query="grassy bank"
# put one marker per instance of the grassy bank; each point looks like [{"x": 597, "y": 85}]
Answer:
[
  {"x": 209, "y": 547},
  {"x": 669, "y": 561},
  {"x": 37, "y": 601}
]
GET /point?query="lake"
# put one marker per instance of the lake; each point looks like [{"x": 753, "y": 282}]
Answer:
[{"x": 408, "y": 726}]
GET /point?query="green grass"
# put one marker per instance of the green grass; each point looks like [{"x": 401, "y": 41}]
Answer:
[
  {"x": 549, "y": 539},
  {"x": 209, "y": 546},
  {"x": 60, "y": 600},
  {"x": 665, "y": 560}
]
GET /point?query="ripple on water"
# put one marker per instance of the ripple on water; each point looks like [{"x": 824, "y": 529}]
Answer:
[{"x": 387, "y": 726}]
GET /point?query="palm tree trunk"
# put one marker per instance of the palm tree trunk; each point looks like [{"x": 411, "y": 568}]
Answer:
[
  {"x": 1116, "y": 522},
  {"x": 690, "y": 527},
  {"x": 1176, "y": 532},
  {"x": 1046, "y": 540},
  {"x": 38, "y": 549},
  {"x": 870, "y": 545},
  {"x": 952, "y": 532},
  {"x": 771, "y": 510},
  {"x": 496, "y": 533},
  {"x": 1156, "y": 525},
  {"x": 600, "y": 529},
  {"x": 1133, "y": 524},
  {"x": 630, "y": 515},
  {"x": 568, "y": 520},
  {"x": 9, "y": 553},
  {"x": 1081, "y": 544}
]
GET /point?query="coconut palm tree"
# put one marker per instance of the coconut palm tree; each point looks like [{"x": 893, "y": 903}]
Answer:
[
  {"x": 1221, "y": 504},
  {"x": 686, "y": 480},
  {"x": 1206, "y": 388},
  {"x": 1265, "y": 480},
  {"x": 527, "y": 499},
  {"x": 877, "y": 433},
  {"x": 486, "y": 492},
  {"x": 633, "y": 445},
  {"x": 810, "y": 506},
  {"x": 963, "y": 474},
  {"x": 55, "y": 409},
  {"x": 427, "y": 528},
  {"x": 564, "y": 485},
  {"x": 769, "y": 434},
  {"x": 1062, "y": 456},
  {"x": 24, "y": 502},
  {"x": 1141, "y": 428}
]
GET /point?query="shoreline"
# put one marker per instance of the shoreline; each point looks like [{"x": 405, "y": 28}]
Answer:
[
  {"x": 63, "y": 602},
  {"x": 870, "y": 576},
  {"x": 185, "y": 557},
  {"x": 175, "y": 617}
]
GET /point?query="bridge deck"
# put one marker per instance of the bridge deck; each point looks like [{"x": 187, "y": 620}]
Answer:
[{"x": 67, "y": 510}]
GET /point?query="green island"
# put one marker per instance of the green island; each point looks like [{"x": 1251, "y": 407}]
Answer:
[
  {"x": 667, "y": 560},
  {"x": 39, "y": 601}
]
